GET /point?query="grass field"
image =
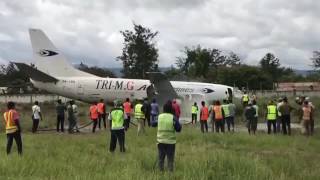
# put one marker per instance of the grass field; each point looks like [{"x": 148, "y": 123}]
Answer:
[{"x": 198, "y": 156}]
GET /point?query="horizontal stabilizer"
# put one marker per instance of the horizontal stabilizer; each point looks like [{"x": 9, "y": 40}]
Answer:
[
  {"x": 35, "y": 74},
  {"x": 164, "y": 89}
]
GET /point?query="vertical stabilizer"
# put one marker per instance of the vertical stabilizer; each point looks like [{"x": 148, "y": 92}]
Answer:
[{"x": 49, "y": 59}]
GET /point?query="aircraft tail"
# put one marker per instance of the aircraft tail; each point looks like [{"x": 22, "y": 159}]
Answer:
[{"x": 49, "y": 59}]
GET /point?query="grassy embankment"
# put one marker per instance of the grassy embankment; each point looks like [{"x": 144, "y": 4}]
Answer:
[{"x": 198, "y": 156}]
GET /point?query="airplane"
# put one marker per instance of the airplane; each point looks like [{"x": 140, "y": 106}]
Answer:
[{"x": 52, "y": 72}]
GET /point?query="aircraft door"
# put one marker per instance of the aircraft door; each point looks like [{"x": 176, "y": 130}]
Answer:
[
  {"x": 230, "y": 94},
  {"x": 80, "y": 89}
]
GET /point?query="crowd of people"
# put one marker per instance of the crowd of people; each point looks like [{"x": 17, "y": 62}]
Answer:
[{"x": 118, "y": 120}]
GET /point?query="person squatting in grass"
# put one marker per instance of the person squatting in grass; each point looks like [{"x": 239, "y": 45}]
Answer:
[
  {"x": 36, "y": 116},
  {"x": 102, "y": 113},
  {"x": 94, "y": 115},
  {"x": 116, "y": 116},
  {"x": 204, "y": 115},
  {"x": 13, "y": 128},
  {"x": 250, "y": 114},
  {"x": 166, "y": 137}
]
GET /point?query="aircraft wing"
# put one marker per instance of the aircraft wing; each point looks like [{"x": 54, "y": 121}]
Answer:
[
  {"x": 163, "y": 89},
  {"x": 35, "y": 74}
]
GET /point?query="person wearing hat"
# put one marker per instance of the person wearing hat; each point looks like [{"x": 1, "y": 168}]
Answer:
[{"x": 116, "y": 117}]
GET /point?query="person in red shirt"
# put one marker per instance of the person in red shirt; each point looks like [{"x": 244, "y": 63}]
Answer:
[
  {"x": 204, "y": 115},
  {"x": 94, "y": 115},
  {"x": 13, "y": 129},
  {"x": 127, "y": 111},
  {"x": 102, "y": 113},
  {"x": 176, "y": 109}
]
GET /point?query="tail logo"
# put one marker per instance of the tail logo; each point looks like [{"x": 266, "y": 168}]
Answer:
[
  {"x": 207, "y": 90},
  {"x": 45, "y": 53}
]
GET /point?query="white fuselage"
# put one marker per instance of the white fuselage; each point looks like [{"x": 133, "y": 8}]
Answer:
[{"x": 90, "y": 89}]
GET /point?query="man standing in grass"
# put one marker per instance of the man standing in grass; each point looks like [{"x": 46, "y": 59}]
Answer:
[
  {"x": 117, "y": 129},
  {"x": 218, "y": 114},
  {"x": 71, "y": 118},
  {"x": 250, "y": 113},
  {"x": 102, "y": 113},
  {"x": 60, "y": 109},
  {"x": 285, "y": 110},
  {"x": 127, "y": 110},
  {"x": 232, "y": 109},
  {"x": 306, "y": 117},
  {"x": 139, "y": 116},
  {"x": 194, "y": 113},
  {"x": 94, "y": 115},
  {"x": 204, "y": 115},
  {"x": 271, "y": 117},
  {"x": 36, "y": 116},
  {"x": 166, "y": 137},
  {"x": 13, "y": 129}
]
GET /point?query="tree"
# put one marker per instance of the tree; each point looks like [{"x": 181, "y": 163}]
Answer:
[
  {"x": 139, "y": 54},
  {"x": 198, "y": 61},
  {"x": 316, "y": 59},
  {"x": 96, "y": 71},
  {"x": 271, "y": 65},
  {"x": 233, "y": 60}
]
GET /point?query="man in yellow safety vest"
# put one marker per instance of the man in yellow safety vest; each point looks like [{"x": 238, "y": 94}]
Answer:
[
  {"x": 116, "y": 117},
  {"x": 139, "y": 116},
  {"x": 13, "y": 129},
  {"x": 271, "y": 116},
  {"x": 166, "y": 137},
  {"x": 194, "y": 113}
]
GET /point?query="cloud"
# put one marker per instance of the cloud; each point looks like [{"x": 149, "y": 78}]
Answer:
[{"x": 88, "y": 31}]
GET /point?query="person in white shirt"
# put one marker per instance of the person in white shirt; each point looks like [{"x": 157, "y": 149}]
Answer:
[
  {"x": 36, "y": 116},
  {"x": 75, "y": 113}
]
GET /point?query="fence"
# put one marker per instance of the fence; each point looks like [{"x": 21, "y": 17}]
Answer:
[{"x": 30, "y": 98}]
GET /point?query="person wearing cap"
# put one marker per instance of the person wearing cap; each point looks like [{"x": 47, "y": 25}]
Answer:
[
  {"x": 285, "y": 110},
  {"x": 94, "y": 115},
  {"x": 127, "y": 106},
  {"x": 271, "y": 116},
  {"x": 139, "y": 116},
  {"x": 36, "y": 116},
  {"x": 168, "y": 125},
  {"x": 250, "y": 113},
  {"x": 101, "y": 114},
  {"x": 116, "y": 116},
  {"x": 13, "y": 128},
  {"x": 60, "y": 110}
]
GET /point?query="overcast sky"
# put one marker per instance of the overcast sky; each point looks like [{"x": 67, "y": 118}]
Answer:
[{"x": 88, "y": 31}]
